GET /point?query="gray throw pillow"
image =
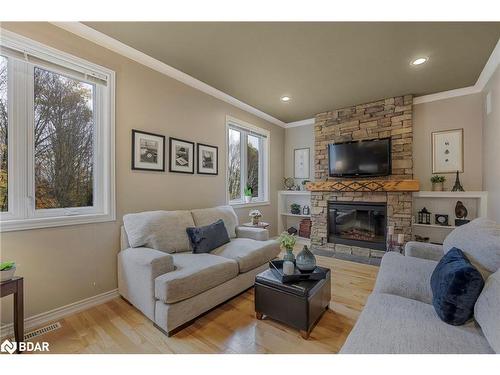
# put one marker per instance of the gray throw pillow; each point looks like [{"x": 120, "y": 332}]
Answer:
[{"x": 207, "y": 238}]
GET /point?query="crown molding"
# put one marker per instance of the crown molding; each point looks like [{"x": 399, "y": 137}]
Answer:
[
  {"x": 489, "y": 69},
  {"x": 308, "y": 121},
  {"x": 446, "y": 94},
  {"x": 114, "y": 45}
]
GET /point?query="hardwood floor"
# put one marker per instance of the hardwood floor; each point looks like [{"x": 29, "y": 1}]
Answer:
[{"x": 117, "y": 327}]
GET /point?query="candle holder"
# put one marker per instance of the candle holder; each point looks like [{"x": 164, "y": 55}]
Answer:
[
  {"x": 399, "y": 247},
  {"x": 390, "y": 239}
]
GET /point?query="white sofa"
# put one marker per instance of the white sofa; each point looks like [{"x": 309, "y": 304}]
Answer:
[
  {"x": 159, "y": 275},
  {"x": 399, "y": 317}
]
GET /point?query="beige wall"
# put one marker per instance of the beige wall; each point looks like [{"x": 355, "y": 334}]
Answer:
[
  {"x": 454, "y": 113},
  {"x": 298, "y": 137},
  {"x": 67, "y": 264},
  {"x": 491, "y": 147}
]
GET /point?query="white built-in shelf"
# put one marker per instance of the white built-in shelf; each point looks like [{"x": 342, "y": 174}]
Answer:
[
  {"x": 294, "y": 192},
  {"x": 434, "y": 226},
  {"x": 294, "y": 215},
  {"x": 480, "y": 197},
  {"x": 285, "y": 218},
  {"x": 451, "y": 194}
]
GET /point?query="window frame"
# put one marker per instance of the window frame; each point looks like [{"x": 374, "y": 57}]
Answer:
[
  {"x": 245, "y": 129},
  {"x": 22, "y": 213}
]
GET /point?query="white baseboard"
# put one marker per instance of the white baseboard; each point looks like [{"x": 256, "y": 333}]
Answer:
[{"x": 34, "y": 321}]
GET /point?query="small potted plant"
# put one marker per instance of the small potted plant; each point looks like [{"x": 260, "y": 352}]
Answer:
[
  {"x": 287, "y": 242},
  {"x": 248, "y": 194},
  {"x": 295, "y": 208},
  {"x": 7, "y": 270},
  {"x": 438, "y": 183},
  {"x": 255, "y": 215}
]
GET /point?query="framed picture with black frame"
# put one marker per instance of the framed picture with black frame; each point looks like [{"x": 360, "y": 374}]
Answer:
[
  {"x": 148, "y": 151},
  {"x": 208, "y": 159},
  {"x": 181, "y": 158}
]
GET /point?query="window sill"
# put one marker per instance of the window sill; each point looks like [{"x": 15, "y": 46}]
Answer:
[
  {"x": 50, "y": 222},
  {"x": 251, "y": 204}
]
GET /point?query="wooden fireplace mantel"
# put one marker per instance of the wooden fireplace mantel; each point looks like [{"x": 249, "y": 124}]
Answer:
[{"x": 364, "y": 185}]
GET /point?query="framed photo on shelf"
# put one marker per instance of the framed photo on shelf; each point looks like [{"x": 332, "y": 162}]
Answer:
[
  {"x": 208, "y": 159},
  {"x": 301, "y": 158},
  {"x": 181, "y": 156},
  {"x": 148, "y": 151},
  {"x": 448, "y": 151}
]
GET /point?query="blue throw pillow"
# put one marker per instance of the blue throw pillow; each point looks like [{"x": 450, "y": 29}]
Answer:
[
  {"x": 456, "y": 285},
  {"x": 207, "y": 238}
]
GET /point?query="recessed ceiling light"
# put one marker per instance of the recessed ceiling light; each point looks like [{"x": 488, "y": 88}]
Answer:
[
  {"x": 419, "y": 61},
  {"x": 285, "y": 98}
]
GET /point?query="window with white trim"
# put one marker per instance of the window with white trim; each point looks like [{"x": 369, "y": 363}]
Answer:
[
  {"x": 247, "y": 163},
  {"x": 56, "y": 137}
]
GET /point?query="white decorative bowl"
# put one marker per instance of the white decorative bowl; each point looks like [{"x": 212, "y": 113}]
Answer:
[{"x": 8, "y": 274}]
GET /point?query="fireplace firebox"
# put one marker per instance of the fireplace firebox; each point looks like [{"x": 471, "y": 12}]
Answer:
[{"x": 360, "y": 224}]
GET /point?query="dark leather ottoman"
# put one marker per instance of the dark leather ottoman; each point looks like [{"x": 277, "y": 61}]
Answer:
[{"x": 299, "y": 304}]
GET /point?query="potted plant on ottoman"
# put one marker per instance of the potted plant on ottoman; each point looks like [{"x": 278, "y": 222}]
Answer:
[
  {"x": 7, "y": 270},
  {"x": 255, "y": 215},
  {"x": 287, "y": 242},
  {"x": 248, "y": 194},
  {"x": 438, "y": 183}
]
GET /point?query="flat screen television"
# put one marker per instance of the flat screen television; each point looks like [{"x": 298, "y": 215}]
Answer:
[{"x": 360, "y": 158}]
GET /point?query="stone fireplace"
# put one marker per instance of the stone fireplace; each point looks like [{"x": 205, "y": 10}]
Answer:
[{"x": 366, "y": 208}]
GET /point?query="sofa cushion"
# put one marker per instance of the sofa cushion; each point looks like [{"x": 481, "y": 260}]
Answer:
[
  {"x": 249, "y": 253},
  {"x": 456, "y": 285},
  {"x": 207, "y": 216},
  {"x": 480, "y": 241},
  {"x": 193, "y": 274},
  {"x": 159, "y": 230},
  {"x": 207, "y": 238},
  {"x": 487, "y": 310},
  {"x": 392, "y": 324},
  {"x": 405, "y": 276}
]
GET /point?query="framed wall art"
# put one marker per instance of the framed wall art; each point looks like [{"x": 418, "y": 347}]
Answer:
[
  {"x": 208, "y": 159},
  {"x": 148, "y": 151},
  {"x": 181, "y": 156},
  {"x": 448, "y": 151},
  {"x": 301, "y": 158}
]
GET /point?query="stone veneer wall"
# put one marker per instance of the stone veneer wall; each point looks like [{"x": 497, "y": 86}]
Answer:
[{"x": 391, "y": 117}]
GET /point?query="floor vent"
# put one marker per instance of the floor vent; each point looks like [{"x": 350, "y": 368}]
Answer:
[{"x": 42, "y": 331}]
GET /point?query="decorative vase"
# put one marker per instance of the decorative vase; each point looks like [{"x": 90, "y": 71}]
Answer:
[
  {"x": 255, "y": 220},
  {"x": 306, "y": 261},
  {"x": 437, "y": 186},
  {"x": 289, "y": 255},
  {"x": 248, "y": 199},
  {"x": 295, "y": 209},
  {"x": 7, "y": 274}
]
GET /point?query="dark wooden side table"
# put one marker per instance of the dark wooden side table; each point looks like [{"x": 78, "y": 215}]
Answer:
[
  {"x": 298, "y": 304},
  {"x": 15, "y": 286}
]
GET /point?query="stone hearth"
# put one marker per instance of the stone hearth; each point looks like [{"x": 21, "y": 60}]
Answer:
[{"x": 390, "y": 117}]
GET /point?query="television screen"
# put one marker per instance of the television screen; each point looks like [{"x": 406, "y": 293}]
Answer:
[{"x": 360, "y": 158}]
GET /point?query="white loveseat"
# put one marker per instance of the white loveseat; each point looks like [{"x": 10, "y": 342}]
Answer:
[{"x": 158, "y": 273}]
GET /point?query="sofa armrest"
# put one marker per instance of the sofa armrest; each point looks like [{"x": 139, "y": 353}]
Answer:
[
  {"x": 424, "y": 250},
  {"x": 259, "y": 234},
  {"x": 137, "y": 270}
]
